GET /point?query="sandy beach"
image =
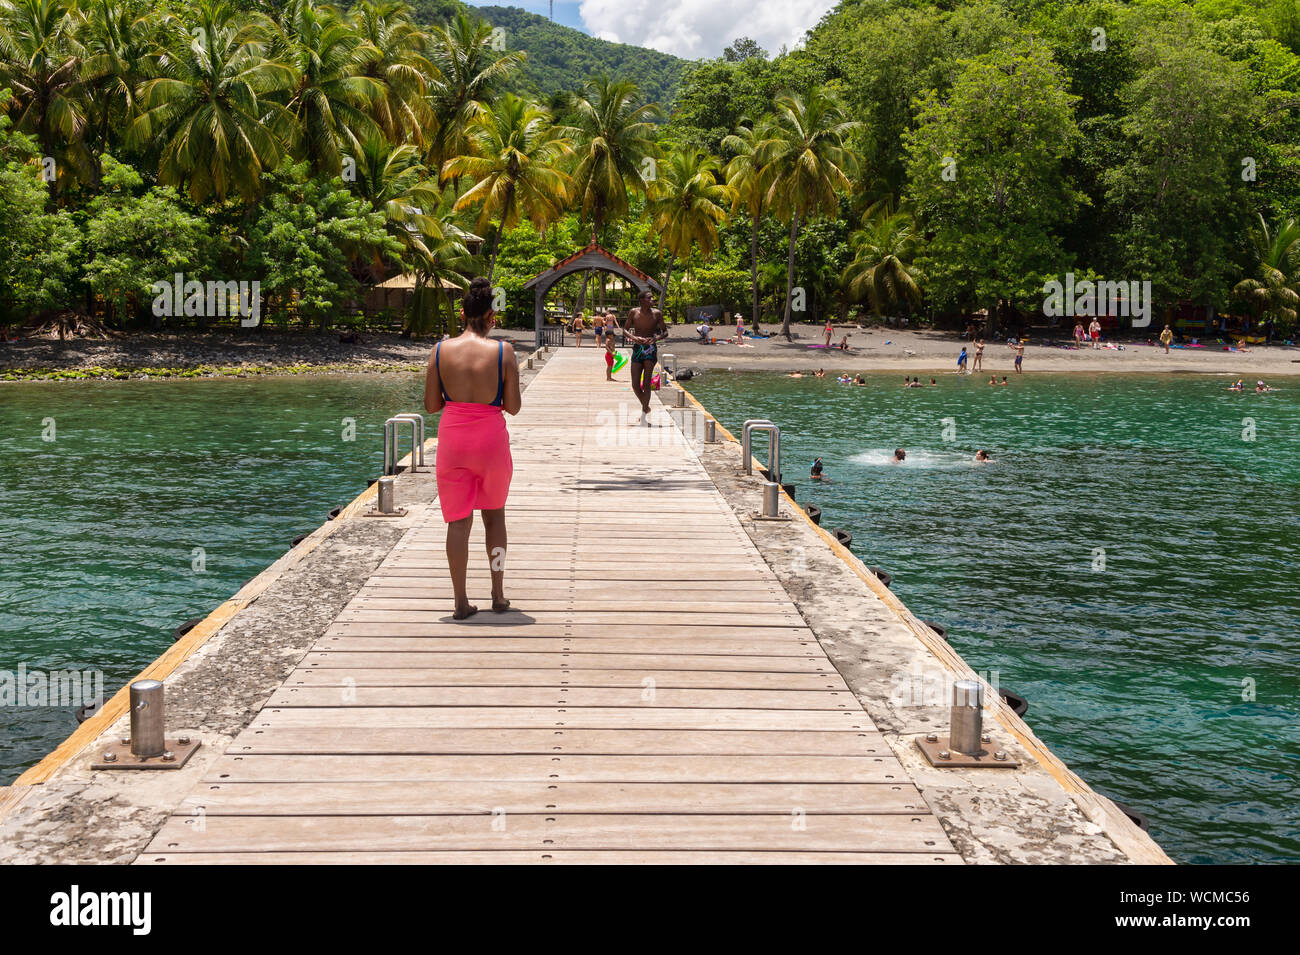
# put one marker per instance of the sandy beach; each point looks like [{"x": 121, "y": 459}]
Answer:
[
  {"x": 871, "y": 350},
  {"x": 930, "y": 352}
]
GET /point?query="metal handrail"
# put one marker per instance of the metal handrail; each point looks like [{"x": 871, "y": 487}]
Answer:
[
  {"x": 773, "y": 447},
  {"x": 417, "y": 420},
  {"x": 391, "y": 438}
]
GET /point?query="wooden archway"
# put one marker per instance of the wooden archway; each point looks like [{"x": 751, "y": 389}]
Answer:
[{"x": 591, "y": 257}]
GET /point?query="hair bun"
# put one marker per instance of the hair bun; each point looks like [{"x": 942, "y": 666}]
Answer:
[{"x": 477, "y": 301}]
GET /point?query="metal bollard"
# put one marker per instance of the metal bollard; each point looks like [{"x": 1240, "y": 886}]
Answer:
[
  {"x": 681, "y": 398},
  {"x": 386, "y": 495},
  {"x": 770, "y": 498},
  {"x": 710, "y": 431},
  {"x": 967, "y": 727},
  {"x": 147, "y": 724},
  {"x": 529, "y": 363}
]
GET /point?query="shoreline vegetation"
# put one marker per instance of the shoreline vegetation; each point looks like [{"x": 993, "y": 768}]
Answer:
[{"x": 1000, "y": 164}]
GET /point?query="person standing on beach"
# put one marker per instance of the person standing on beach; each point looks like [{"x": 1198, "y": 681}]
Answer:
[
  {"x": 646, "y": 329},
  {"x": 829, "y": 330},
  {"x": 1167, "y": 338},
  {"x": 1078, "y": 333},
  {"x": 1094, "y": 332},
  {"x": 978, "y": 364},
  {"x": 473, "y": 463},
  {"x": 578, "y": 326},
  {"x": 1020, "y": 354},
  {"x": 961, "y": 360},
  {"x": 740, "y": 329}
]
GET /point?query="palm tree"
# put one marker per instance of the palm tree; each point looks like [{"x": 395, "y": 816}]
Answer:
[
  {"x": 207, "y": 106},
  {"x": 462, "y": 51},
  {"x": 394, "y": 180},
  {"x": 687, "y": 205},
  {"x": 41, "y": 63},
  {"x": 514, "y": 167},
  {"x": 881, "y": 270},
  {"x": 329, "y": 103},
  {"x": 120, "y": 41},
  {"x": 616, "y": 148},
  {"x": 804, "y": 163},
  {"x": 1278, "y": 253},
  {"x": 401, "y": 66},
  {"x": 744, "y": 176}
]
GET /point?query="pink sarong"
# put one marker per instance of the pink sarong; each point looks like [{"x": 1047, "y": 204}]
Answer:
[{"x": 473, "y": 462}]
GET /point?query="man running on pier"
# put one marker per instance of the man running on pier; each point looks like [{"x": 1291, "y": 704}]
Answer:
[{"x": 645, "y": 330}]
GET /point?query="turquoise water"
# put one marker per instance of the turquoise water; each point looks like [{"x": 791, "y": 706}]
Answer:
[
  {"x": 1128, "y": 564},
  {"x": 98, "y": 527}
]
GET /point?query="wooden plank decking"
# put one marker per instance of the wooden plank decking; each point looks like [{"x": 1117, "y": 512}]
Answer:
[{"x": 626, "y": 711}]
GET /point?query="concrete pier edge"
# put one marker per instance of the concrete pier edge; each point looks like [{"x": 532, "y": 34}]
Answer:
[{"x": 1135, "y": 844}]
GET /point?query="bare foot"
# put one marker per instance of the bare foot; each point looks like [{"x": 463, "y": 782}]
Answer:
[
  {"x": 464, "y": 610},
  {"x": 500, "y": 606}
]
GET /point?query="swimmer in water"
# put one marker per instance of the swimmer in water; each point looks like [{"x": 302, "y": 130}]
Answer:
[
  {"x": 982, "y": 457},
  {"x": 1236, "y": 386},
  {"x": 817, "y": 474},
  {"x": 899, "y": 456},
  {"x": 993, "y": 379},
  {"x": 795, "y": 374},
  {"x": 1260, "y": 387}
]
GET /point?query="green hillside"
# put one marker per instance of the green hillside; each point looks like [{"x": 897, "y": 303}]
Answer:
[{"x": 560, "y": 58}]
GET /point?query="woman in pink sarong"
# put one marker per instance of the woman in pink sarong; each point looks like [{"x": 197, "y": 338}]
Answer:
[{"x": 473, "y": 462}]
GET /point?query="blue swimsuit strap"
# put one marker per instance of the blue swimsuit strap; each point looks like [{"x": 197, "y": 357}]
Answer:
[
  {"x": 501, "y": 377},
  {"x": 437, "y": 351}
]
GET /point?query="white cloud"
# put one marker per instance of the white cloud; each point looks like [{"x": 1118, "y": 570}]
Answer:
[{"x": 699, "y": 29}]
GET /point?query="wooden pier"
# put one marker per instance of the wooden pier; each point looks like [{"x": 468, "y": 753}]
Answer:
[{"x": 629, "y": 709}]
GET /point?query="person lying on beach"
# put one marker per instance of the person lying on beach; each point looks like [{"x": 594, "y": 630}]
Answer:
[
  {"x": 982, "y": 457},
  {"x": 899, "y": 456}
]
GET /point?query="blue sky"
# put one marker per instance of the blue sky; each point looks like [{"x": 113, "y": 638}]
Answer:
[
  {"x": 693, "y": 29},
  {"x": 566, "y": 11}
]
